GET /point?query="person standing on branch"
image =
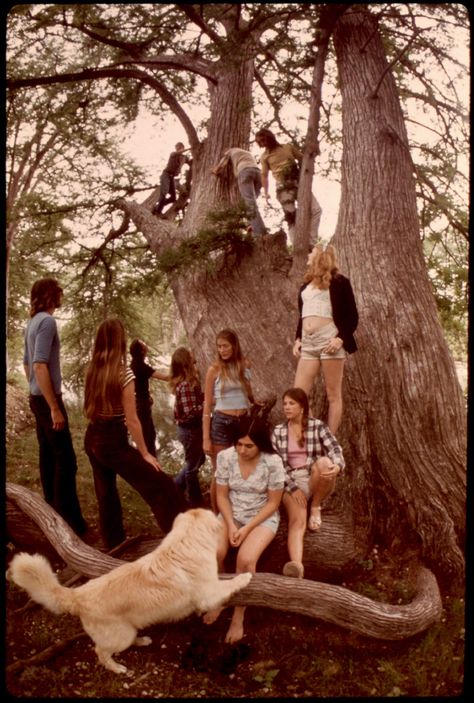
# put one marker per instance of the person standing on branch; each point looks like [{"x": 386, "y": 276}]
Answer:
[
  {"x": 110, "y": 407},
  {"x": 249, "y": 180},
  {"x": 283, "y": 160},
  {"x": 176, "y": 161},
  {"x": 327, "y": 321},
  {"x": 312, "y": 458},
  {"x": 41, "y": 361}
]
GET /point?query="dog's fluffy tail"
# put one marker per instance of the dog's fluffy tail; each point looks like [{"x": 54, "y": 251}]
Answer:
[{"x": 34, "y": 574}]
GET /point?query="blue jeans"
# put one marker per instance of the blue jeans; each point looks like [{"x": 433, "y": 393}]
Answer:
[
  {"x": 187, "y": 479},
  {"x": 250, "y": 182},
  {"x": 57, "y": 463},
  {"x": 106, "y": 444}
]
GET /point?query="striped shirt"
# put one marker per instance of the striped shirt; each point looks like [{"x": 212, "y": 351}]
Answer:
[
  {"x": 319, "y": 441},
  {"x": 118, "y": 411}
]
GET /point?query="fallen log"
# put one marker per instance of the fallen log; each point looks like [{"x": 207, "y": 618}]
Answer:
[{"x": 332, "y": 603}]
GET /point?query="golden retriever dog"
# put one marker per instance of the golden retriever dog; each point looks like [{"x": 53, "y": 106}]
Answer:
[{"x": 178, "y": 578}]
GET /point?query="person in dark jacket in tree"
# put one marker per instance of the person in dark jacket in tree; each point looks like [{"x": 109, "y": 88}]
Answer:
[
  {"x": 328, "y": 318},
  {"x": 176, "y": 161}
]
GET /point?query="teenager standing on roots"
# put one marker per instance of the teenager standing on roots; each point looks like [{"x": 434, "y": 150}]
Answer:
[
  {"x": 110, "y": 407},
  {"x": 312, "y": 458},
  {"x": 227, "y": 396},
  {"x": 143, "y": 372},
  {"x": 325, "y": 333},
  {"x": 186, "y": 386},
  {"x": 250, "y": 479}
]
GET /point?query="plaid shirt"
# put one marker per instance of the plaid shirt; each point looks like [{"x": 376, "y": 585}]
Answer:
[
  {"x": 188, "y": 404},
  {"x": 319, "y": 442}
]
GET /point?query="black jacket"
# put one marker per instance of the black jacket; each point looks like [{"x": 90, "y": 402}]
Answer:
[{"x": 344, "y": 311}]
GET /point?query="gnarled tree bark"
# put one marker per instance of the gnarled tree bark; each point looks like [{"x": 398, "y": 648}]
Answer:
[{"x": 331, "y": 603}]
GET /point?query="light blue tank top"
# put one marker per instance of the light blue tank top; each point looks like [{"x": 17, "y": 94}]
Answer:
[{"x": 232, "y": 396}]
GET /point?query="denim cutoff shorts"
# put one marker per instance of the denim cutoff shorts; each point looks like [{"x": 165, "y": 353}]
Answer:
[
  {"x": 313, "y": 343},
  {"x": 271, "y": 522},
  {"x": 224, "y": 428},
  {"x": 301, "y": 478}
]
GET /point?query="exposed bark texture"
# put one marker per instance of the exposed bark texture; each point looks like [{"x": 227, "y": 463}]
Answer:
[
  {"x": 334, "y": 604},
  {"x": 404, "y": 413}
]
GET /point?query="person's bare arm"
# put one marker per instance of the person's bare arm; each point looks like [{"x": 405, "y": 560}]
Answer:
[{"x": 134, "y": 425}]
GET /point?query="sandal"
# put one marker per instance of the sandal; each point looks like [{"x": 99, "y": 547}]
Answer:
[
  {"x": 314, "y": 522},
  {"x": 293, "y": 569}
]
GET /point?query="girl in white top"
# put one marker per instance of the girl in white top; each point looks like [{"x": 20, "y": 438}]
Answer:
[
  {"x": 250, "y": 479},
  {"x": 324, "y": 336}
]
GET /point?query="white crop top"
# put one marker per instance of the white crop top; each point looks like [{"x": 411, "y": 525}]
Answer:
[{"x": 316, "y": 301}]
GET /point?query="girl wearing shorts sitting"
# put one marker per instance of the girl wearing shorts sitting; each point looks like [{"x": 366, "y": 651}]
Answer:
[{"x": 312, "y": 458}]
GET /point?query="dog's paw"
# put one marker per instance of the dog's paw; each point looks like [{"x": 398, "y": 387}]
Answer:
[
  {"x": 116, "y": 667},
  {"x": 143, "y": 641},
  {"x": 244, "y": 579}
]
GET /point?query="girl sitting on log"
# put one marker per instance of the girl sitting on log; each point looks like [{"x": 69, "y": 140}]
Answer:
[
  {"x": 312, "y": 458},
  {"x": 250, "y": 478}
]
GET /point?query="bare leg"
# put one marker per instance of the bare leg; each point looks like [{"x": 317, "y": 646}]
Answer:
[
  {"x": 247, "y": 557},
  {"x": 222, "y": 548},
  {"x": 333, "y": 370},
  {"x": 322, "y": 483},
  {"x": 296, "y": 528},
  {"x": 306, "y": 374}
]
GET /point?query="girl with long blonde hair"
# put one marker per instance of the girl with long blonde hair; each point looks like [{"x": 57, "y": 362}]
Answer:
[
  {"x": 325, "y": 333},
  {"x": 110, "y": 407},
  {"x": 227, "y": 396}
]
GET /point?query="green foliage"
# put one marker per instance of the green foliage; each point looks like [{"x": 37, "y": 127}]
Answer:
[{"x": 225, "y": 234}]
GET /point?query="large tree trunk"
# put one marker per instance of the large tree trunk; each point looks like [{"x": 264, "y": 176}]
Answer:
[
  {"x": 404, "y": 419},
  {"x": 334, "y": 604},
  {"x": 403, "y": 430}
]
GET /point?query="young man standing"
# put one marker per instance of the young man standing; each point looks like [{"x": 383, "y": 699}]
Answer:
[{"x": 57, "y": 459}]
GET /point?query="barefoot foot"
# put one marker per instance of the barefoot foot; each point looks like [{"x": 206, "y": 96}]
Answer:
[
  {"x": 314, "y": 522},
  {"x": 211, "y": 616},
  {"x": 235, "y": 632}
]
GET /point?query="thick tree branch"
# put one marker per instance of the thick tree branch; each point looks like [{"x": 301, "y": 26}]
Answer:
[
  {"x": 198, "y": 20},
  {"x": 95, "y": 74},
  {"x": 328, "y": 602}
]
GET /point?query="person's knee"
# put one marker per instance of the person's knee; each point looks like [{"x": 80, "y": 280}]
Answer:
[
  {"x": 321, "y": 466},
  {"x": 245, "y": 564}
]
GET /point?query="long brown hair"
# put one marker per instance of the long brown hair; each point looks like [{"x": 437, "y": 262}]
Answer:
[
  {"x": 103, "y": 387},
  {"x": 183, "y": 368},
  {"x": 234, "y": 368},
  {"x": 300, "y": 397},
  {"x": 45, "y": 294},
  {"x": 322, "y": 266}
]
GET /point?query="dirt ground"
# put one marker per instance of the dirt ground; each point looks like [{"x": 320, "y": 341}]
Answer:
[{"x": 281, "y": 656}]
